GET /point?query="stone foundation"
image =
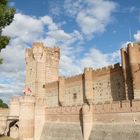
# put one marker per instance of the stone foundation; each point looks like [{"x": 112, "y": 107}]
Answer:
[
  {"x": 115, "y": 132},
  {"x": 62, "y": 131}
]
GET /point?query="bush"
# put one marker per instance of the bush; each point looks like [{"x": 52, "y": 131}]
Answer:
[{"x": 2, "y": 104}]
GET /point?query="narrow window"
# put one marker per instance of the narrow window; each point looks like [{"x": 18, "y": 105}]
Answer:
[{"x": 74, "y": 96}]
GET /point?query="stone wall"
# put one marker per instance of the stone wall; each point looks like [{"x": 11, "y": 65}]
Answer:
[
  {"x": 52, "y": 94},
  {"x": 3, "y": 120},
  {"x": 108, "y": 84},
  {"x": 97, "y": 121},
  {"x": 63, "y": 114},
  {"x": 74, "y": 90},
  {"x": 62, "y": 123},
  {"x": 26, "y": 117},
  {"x": 14, "y": 107},
  {"x": 110, "y": 131},
  {"x": 61, "y": 131},
  {"x": 117, "y": 121}
]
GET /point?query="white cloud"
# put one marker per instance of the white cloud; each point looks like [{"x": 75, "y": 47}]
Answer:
[
  {"x": 137, "y": 36},
  {"x": 25, "y": 28},
  {"x": 72, "y": 64},
  {"x": 94, "y": 59},
  {"x": 48, "y": 21},
  {"x": 55, "y": 8},
  {"x": 91, "y": 16},
  {"x": 59, "y": 35}
]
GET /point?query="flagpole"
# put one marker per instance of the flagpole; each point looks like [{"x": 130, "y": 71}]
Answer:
[{"x": 130, "y": 34}]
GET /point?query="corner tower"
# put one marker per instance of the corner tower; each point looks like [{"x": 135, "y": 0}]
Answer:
[
  {"x": 41, "y": 67},
  {"x": 134, "y": 62},
  {"x": 131, "y": 67}
]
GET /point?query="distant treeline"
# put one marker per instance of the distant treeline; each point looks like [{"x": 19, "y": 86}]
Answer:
[{"x": 2, "y": 104}]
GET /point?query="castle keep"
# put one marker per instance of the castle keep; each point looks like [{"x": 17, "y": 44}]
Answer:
[{"x": 98, "y": 104}]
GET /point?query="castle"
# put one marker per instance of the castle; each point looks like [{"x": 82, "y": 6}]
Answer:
[{"x": 101, "y": 104}]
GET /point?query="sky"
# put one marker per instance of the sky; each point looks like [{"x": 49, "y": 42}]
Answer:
[{"x": 89, "y": 33}]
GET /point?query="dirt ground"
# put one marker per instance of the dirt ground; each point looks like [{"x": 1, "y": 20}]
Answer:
[{"x": 6, "y": 138}]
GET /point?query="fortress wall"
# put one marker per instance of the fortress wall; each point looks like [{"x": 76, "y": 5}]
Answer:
[
  {"x": 3, "y": 120},
  {"x": 62, "y": 123},
  {"x": 63, "y": 114},
  {"x": 4, "y": 112},
  {"x": 74, "y": 90},
  {"x": 110, "y": 121},
  {"x": 14, "y": 107},
  {"x": 115, "y": 132},
  {"x": 108, "y": 84},
  {"x": 26, "y": 117},
  {"x": 52, "y": 94},
  {"x": 113, "y": 122},
  {"x": 117, "y": 107}
]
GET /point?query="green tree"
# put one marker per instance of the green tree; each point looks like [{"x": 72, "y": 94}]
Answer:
[
  {"x": 2, "y": 104},
  {"x": 6, "y": 17}
]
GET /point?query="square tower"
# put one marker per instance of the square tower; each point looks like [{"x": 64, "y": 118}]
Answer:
[
  {"x": 131, "y": 68},
  {"x": 42, "y": 66}
]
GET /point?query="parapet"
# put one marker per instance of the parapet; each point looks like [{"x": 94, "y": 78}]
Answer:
[
  {"x": 74, "y": 78},
  {"x": 110, "y": 68},
  {"x": 14, "y": 100},
  {"x": 4, "y": 111},
  {"x": 64, "y": 110},
  {"x": 88, "y": 69},
  {"x": 40, "y": 52},
  {"x": 38, "y": 44},
  {"x": 131, "y": 45},
  {"x": 27, "y": 99}
]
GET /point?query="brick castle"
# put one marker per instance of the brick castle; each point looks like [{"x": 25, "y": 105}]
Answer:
[{"x": 101, "y": 104}]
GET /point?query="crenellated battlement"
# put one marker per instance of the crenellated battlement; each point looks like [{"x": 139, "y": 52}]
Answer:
[
  {"x": 4, "y": 111},
  {"x": 109, "y": 68},
  {"x": 117, "y": 107},
  {"x": 40, "y": 52},
  {"x": 74, "y": 78},
  {"x": 88, "y": 69},
  {"x": 63, "y": 110},
  {"x": 14, "y": 100},
  {"x": 26, "y": 99},
  {"x": 108, "y": 107}
]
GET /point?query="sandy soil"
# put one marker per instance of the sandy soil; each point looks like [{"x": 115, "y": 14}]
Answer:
[{"x": 6, "y": 138}]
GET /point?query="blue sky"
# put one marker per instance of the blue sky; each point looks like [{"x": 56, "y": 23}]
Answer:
[
  {"x": 124, "y": 18},
  {"x": 88, "y": 32}
]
